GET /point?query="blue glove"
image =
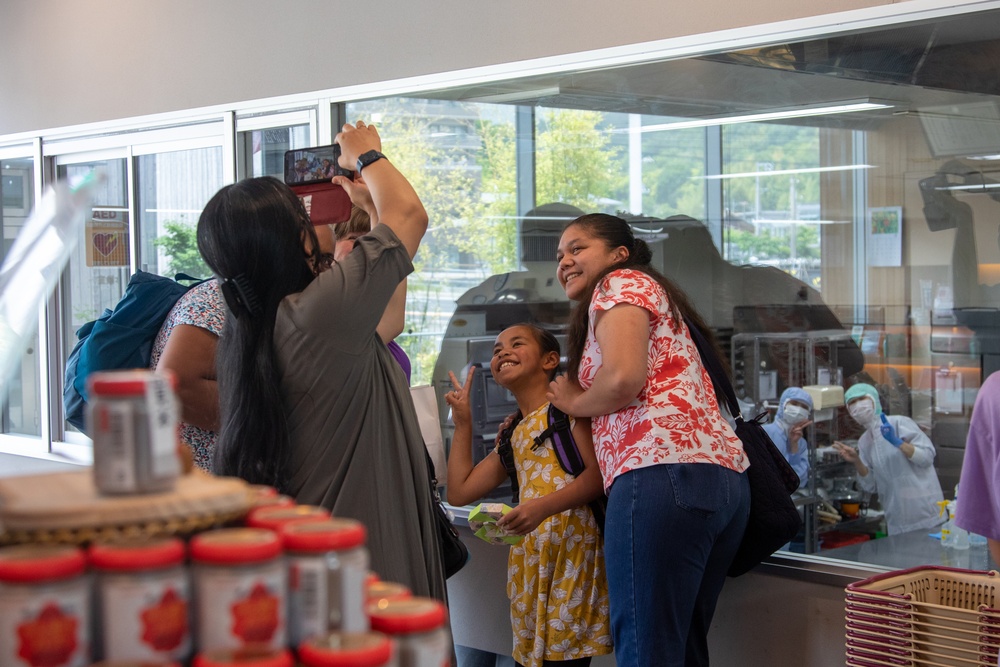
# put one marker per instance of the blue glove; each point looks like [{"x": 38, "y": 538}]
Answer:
[{"x": 889, "y": 433}]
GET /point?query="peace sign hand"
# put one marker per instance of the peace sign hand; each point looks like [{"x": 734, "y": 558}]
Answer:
[
  {"x": 795, "y": 433},
  {"x": 458, "y": 398}
]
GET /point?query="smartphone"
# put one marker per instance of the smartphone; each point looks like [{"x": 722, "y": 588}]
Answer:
[{"x": 313, "y": 165}]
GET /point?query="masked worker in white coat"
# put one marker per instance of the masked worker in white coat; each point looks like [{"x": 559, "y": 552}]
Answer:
[
  {"x": 895, "y": 459},
  {"x": 794, "y": 410}
]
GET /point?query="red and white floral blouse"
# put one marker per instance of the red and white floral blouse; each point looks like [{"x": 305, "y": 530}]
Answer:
[{"x": 676, "y": 417}]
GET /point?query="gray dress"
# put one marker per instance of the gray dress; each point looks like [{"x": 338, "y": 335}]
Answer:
[{"x": 356, "y": 447}]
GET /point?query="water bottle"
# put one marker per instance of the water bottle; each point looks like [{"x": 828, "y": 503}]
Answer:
[{"x": 977, "y": 540}]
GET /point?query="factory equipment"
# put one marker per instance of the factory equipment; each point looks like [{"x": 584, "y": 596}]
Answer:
[{"x": 763, "y": 365}]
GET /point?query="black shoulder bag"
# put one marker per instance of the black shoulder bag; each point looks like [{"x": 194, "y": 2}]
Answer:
[
  {"x": 454, "y": 553},
  {"x": 774, "y": 519}
]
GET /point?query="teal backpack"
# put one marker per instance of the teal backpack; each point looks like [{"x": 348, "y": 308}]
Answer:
[{"x": 121, "y": 338}]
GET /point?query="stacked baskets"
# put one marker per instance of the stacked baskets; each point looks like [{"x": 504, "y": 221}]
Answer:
[{"x": 933, "y": 616}]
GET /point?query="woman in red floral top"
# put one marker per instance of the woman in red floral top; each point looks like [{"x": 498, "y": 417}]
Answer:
[{"x": 672, "y": 464}]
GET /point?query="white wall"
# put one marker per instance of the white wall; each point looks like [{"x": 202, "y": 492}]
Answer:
[{"x": 69, "y": 62}]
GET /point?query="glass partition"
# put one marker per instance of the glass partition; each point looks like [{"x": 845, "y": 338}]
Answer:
[
  {"x": 831, "y": 216},
  {"x": 829, "y": 205}
]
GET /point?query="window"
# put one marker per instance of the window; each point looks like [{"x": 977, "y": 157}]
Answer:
[
  {"x": 827, "y": 204},
  {"x": 263, "y": 150},
  {"x": 99, "y": 268},
  {"x": 21, "y": 410},
  {"x": 173, "y": 188}
]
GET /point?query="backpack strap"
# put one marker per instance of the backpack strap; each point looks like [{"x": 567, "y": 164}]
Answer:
[
  {"x": 561, "y": 433},
  {"x": 506, "y": 451}
]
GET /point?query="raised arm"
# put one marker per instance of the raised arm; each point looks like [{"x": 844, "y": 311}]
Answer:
[
  {"x": 396, "y": 203},
  {"x": 467, "y": 484}
]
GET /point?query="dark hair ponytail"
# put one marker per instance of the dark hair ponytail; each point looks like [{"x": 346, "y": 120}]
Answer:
[
  {"x": 251, "y": 235},
  {"x": 615, "y": 232}
]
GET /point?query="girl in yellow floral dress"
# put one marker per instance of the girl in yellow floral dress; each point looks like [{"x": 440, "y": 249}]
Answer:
[{"x": 555, "y": 575}]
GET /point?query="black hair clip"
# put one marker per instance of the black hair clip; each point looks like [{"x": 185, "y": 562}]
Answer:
[{"x": 240, "y": 297}]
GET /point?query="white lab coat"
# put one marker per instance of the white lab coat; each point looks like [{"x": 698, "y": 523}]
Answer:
[{"x": 908, "y": 488}]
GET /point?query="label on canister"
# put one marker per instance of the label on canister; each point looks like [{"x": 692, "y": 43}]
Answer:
[
  {"x": 308, "y": 599},
  {"x": 162, "y": 411},
  {"x": 326, "y": 592},
  {"x": 241, "y": 605},
  {"x": 115, "y": 434},
  {"x": 145, "y": 615},
  {"x": 348, "y": 571},
  {"x": 43, "y": 626}
]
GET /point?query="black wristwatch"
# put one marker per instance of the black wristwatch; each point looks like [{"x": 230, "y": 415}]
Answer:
[{"x": 366, "y": 159}]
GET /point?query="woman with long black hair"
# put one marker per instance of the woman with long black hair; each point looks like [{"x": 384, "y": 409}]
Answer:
[
  {"x": 312, "y": 401},
  {"x": 672, "y": 465}
]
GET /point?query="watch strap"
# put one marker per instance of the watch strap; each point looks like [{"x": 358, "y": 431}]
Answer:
[{"x": 367, "y": 158}]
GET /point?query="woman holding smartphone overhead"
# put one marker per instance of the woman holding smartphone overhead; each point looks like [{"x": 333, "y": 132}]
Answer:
[{"x": 312, "y": 401}]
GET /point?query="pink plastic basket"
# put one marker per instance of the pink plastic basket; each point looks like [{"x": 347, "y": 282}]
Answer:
[{"x": 924, "y": 616}]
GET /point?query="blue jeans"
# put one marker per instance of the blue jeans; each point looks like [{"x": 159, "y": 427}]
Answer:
[{"x": 671, "y": 533}]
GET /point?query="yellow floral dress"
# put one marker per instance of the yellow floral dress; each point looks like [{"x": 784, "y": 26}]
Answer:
[{"x": 555, "y": 575}]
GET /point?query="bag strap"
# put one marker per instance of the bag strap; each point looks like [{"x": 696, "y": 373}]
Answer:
[
  {"x": 190, "y": 280},
  {"x": 720, "y": 379},
  {"x": 563, "y": 443},
  {"x": 506, "y": 452}
]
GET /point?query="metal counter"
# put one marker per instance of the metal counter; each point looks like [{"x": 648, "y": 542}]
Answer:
[{"x": 899, "y": 552}]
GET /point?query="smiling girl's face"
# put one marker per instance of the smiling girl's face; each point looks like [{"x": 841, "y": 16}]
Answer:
[
  {"x": 582, "y": 257},
  {"x": 518, "y": 356}
]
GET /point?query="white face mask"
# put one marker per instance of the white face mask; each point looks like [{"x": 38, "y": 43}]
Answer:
[
  {"x": 862, "y": 411},
  {"x": 794, "y": 414}
]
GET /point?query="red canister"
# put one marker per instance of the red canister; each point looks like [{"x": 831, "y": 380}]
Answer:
[
  {"x": 239, "y": 578},
  {"x": 273, "y": 517},
  {"x": 44, "y": 607},
  {"x": 143, "y": 598},
  {"x": 247, "y": 657},
  {"x": 262, "y": 495},
  {"x": 133, "y": 418},
  {"x": 328, "y": 564},
  {"x": 378, "y": 591},
  {"x": 419, "y": 627},
  {"x": 134, "y": 663},
  {"x": 348, "y": 649}
]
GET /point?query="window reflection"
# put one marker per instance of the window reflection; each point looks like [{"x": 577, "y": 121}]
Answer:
[
  {"x": 262, "y": 152},
  {"x": 98, "y": 269},
  {"x": 21, "y": 411},
  {"x": 173, "y": 188}
]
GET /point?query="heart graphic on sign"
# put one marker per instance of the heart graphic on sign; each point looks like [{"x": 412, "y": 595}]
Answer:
[{"x": 105, "y": 243}]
